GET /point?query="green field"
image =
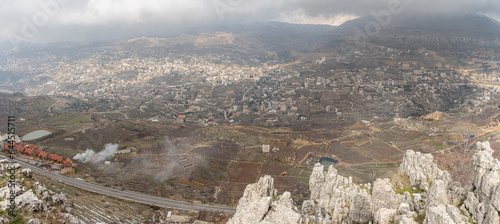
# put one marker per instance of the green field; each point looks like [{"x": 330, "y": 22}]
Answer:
[{"x": 68, "y": 119}]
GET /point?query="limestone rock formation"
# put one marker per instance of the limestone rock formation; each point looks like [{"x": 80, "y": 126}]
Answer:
[
  {"x": 34, "y": 200},
  {"x": 405, "y": 214},
  {"x": 384, "y": 216},
  {"x": 26, "y": 172},
  {"x": 261, "y": 204},
  {"x": 335, "y": 199},
  {"x": 383, "y": 195},
  {"x": 29, "y": 201},
  {"x": 421, "y": 169},
  {"x": 438, "y": 214},
  {"x": 360, "y": 209},
  {"x": 482, "y": 203},
  {"x": 282, "y": 211}
]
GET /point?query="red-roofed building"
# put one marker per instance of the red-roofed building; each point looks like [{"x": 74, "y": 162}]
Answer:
[
  {"x": 42, "y": 155},
  {"x": 7, "y": 146},
  {"x": 29, "y": 151},
  {"x": 51, "y": 156},
  {"x": 56, "y": 158},
  {"x": 181, "y": 118},
  {"x": 18, "y": 148},
  {"x": 68, "y": 162}
]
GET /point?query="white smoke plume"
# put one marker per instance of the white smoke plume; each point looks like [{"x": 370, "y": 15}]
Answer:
[
  {"x": 91, "y": 156},
  {"x": 85, "y": 156}
]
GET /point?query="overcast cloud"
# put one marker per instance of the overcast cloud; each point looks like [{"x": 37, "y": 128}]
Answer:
[{"x": 85, "y": 20}]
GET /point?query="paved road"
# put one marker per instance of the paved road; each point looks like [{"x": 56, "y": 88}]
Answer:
[{"x": 127, "y": 195}]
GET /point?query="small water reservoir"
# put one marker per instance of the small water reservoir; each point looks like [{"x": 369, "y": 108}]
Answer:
[
  {"x": 326, "y": 161},
  {"x": 35, "y": 135}
]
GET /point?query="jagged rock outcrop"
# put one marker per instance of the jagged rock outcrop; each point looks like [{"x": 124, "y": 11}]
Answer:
[
  {"x": 29, "y": 201},
  {"x": 4, "y": 165},
  {"x": 335, "y": 199},
  {"x": 360, "y": 209},
  {"x": 438, "y": 193},
  {"x": 405, "y": 214},
  {"x": 383, "y": 195},
  {"x": 438, "y": 214},
  {"x": 384, "y": 215},
  {"x": 34, "y": 200},
  {"x": 340, "y": 201},
  {"x": 421, "y": 169},
  {"x": 282, "y": 211},
  {"x": 26, "y": 172},
  {"x": 483, "y": 200},
  {"x": 5, "y": 191},
  {"x": 261, "y": 204}
]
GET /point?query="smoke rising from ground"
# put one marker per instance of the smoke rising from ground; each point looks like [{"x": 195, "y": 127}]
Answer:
[{"x": 91, "y": 156}]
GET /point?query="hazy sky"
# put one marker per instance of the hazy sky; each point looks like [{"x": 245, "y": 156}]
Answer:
[{"x": 81, "y": 20}]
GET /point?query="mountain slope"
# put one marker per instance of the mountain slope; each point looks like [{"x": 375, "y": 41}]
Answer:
[
  {"x": 470, "y": 25},
  {"x": 455, "y": 33}
]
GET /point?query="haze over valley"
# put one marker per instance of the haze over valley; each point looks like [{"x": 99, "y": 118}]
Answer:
[{"x": 195, "y": 109}]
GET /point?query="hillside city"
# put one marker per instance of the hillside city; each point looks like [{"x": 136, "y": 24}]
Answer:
[{"x": 188, "y": 87}]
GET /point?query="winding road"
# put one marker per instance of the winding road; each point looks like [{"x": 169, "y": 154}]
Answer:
[{"x": 127, "y": 195}]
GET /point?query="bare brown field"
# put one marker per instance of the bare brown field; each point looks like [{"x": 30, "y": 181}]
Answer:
[{"x": 245, "y": 172}]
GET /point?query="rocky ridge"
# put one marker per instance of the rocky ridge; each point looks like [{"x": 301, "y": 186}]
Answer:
[
  {"x": 421, "y": 193},
  {"x": 34, "y": 202}
]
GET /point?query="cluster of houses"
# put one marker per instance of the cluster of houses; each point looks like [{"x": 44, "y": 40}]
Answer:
[{"x": 36, "y": 152}]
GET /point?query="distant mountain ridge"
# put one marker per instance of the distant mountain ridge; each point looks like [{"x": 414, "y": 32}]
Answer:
[
  {"x": 279, "y": 42},
  {"x": 435, "y": 32},
  {"x": 470, "y": 25}
]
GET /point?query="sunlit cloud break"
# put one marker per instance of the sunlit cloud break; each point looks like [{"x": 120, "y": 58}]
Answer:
[{"x": 300, "y": 17}]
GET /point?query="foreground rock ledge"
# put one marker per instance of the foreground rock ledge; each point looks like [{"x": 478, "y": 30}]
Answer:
[
  {"x": 427, "y": 191},
  {"x": 37, "y": 201}
]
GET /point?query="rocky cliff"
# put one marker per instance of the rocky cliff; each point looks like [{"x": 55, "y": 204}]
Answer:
[{"x": 420, "y": 193}]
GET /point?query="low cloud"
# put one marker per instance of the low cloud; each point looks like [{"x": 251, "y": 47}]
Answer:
[{"x": 81, "y": 20}]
